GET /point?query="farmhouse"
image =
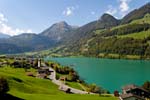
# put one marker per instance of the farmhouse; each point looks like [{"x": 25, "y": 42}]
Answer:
[
  {"x": 133, "y": 92},
  {"x": 43, "y": 72}
]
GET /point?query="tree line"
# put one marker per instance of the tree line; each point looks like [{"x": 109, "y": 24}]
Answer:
[{"x": 121, "y": 46}]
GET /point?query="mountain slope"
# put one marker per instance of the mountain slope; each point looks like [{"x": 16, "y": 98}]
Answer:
[
  {"x": 2, "y": 36},
  {"x": 107, "y": 21},
  {"x": 57, "y": 31},
  {"x": 24, "y": 43},
  {"x": 86, "y": 31},
  {"x": 136, "y": 14}
]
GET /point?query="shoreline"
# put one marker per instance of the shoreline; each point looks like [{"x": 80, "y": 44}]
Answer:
[{"x": 126, "y": 57}]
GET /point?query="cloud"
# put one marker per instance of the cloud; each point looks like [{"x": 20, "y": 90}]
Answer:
[
  {"x": 124, "y": 6},
  {"x": 121, "y": 10},
  {"x": 68, "y": 11},
  {"x": 2, "y": 18},
  {"x": 111, "y": 10},
  {"x": 6, "y": 29}
]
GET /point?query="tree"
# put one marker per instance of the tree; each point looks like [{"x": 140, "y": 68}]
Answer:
[
  {"x": 73, "y": 76},
  {"x": 94, "y": 88},
  {"x": 146, "y": 85},
  {"x": 3, "y": 85},
  {"x": 116, "y": 93}
]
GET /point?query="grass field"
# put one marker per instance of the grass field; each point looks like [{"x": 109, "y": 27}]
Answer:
[
  {"x": 74, "y": 85},
  {"x": 71, "y": 84},
  {"x": 140, "y": 35},
  {"x": 145, "y": 19},
  {"x": 30, "y": 88}
]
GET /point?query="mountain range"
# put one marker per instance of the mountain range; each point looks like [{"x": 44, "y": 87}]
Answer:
[{"x": 107, "y": 35}]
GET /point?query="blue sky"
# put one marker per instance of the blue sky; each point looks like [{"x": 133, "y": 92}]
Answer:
[{"x": 19, "y": 16}]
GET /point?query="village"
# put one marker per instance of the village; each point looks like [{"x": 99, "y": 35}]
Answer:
[{"x": 48, "y": 72}]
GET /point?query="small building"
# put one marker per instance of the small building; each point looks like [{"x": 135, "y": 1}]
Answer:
[
  {"x": 39, "y": 63},
  {"x": 43, "y": 72},
  {"x": 42, "y": 75},
  {"x": 133, "y": 92}
]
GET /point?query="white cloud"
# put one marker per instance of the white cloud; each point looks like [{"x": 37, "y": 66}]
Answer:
[
  {"x": 121, "y": 10},
  {"x": 6, "y": 29},
  {"x": 111, "y": 10},
  {"x": 124, "y": 6},
  {"x": 2, "y": 18},
  {"x": 68, "y": 11}
]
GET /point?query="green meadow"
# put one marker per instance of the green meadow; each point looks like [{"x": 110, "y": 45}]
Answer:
[
  {"x": 31, "y": 88},
  {"x": 139, "y": 35}
]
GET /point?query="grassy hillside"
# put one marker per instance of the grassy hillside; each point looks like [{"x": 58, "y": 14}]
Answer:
[
  {"x": 145, "y": 19},
  {"x": 30, "y": 88},
  {"x": 140, "y": 35}
]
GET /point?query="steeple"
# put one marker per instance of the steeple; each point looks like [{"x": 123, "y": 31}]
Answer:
[{"x": 39, "y": 63}]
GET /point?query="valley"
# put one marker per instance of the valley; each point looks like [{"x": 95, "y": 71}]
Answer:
[{"x": 103, "y": 59}]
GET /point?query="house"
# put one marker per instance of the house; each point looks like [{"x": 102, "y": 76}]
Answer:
[
  {"x": 133, "y": 92},
  {"x": 43, "y": 72},
  {"x": 42, "y": 75}
]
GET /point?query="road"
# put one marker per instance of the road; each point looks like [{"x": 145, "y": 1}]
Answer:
[{"x": 62, "y": 86}]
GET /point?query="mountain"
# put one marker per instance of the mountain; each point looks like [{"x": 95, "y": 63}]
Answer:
[
  {"x": 4, "y": 36},
  {"x": 57, "y": 31},
  {"x": 107, "y": 21},
  {"x": 25, "y": 42},
  {"x": 8, "y": 48},
  {"x": 33, "y": 41},
  {"x": 136, "y": 14},
  {"x": 86, "y": 31}
]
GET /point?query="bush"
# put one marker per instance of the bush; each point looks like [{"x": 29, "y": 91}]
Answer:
[
  {"x": 94, "y": 88},
  {"x": 116, "y": 93},
  {"x": 146, "y": 86},
  {"x": 3, "y": 85}
]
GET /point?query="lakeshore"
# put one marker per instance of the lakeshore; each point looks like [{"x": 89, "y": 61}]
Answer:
[{"x": 112, "y": 74}]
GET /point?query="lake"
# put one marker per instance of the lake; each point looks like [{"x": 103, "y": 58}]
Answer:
[{"x": 111, "y": 74}]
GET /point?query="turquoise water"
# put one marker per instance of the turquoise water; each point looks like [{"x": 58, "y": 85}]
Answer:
[{"x": 111, "y": 74}]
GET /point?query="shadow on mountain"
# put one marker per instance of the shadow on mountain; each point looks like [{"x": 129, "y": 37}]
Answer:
[{"x": 9, "y": 97}]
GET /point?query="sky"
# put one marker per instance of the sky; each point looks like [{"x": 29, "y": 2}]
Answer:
[{"x": 34, "y": 16}]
